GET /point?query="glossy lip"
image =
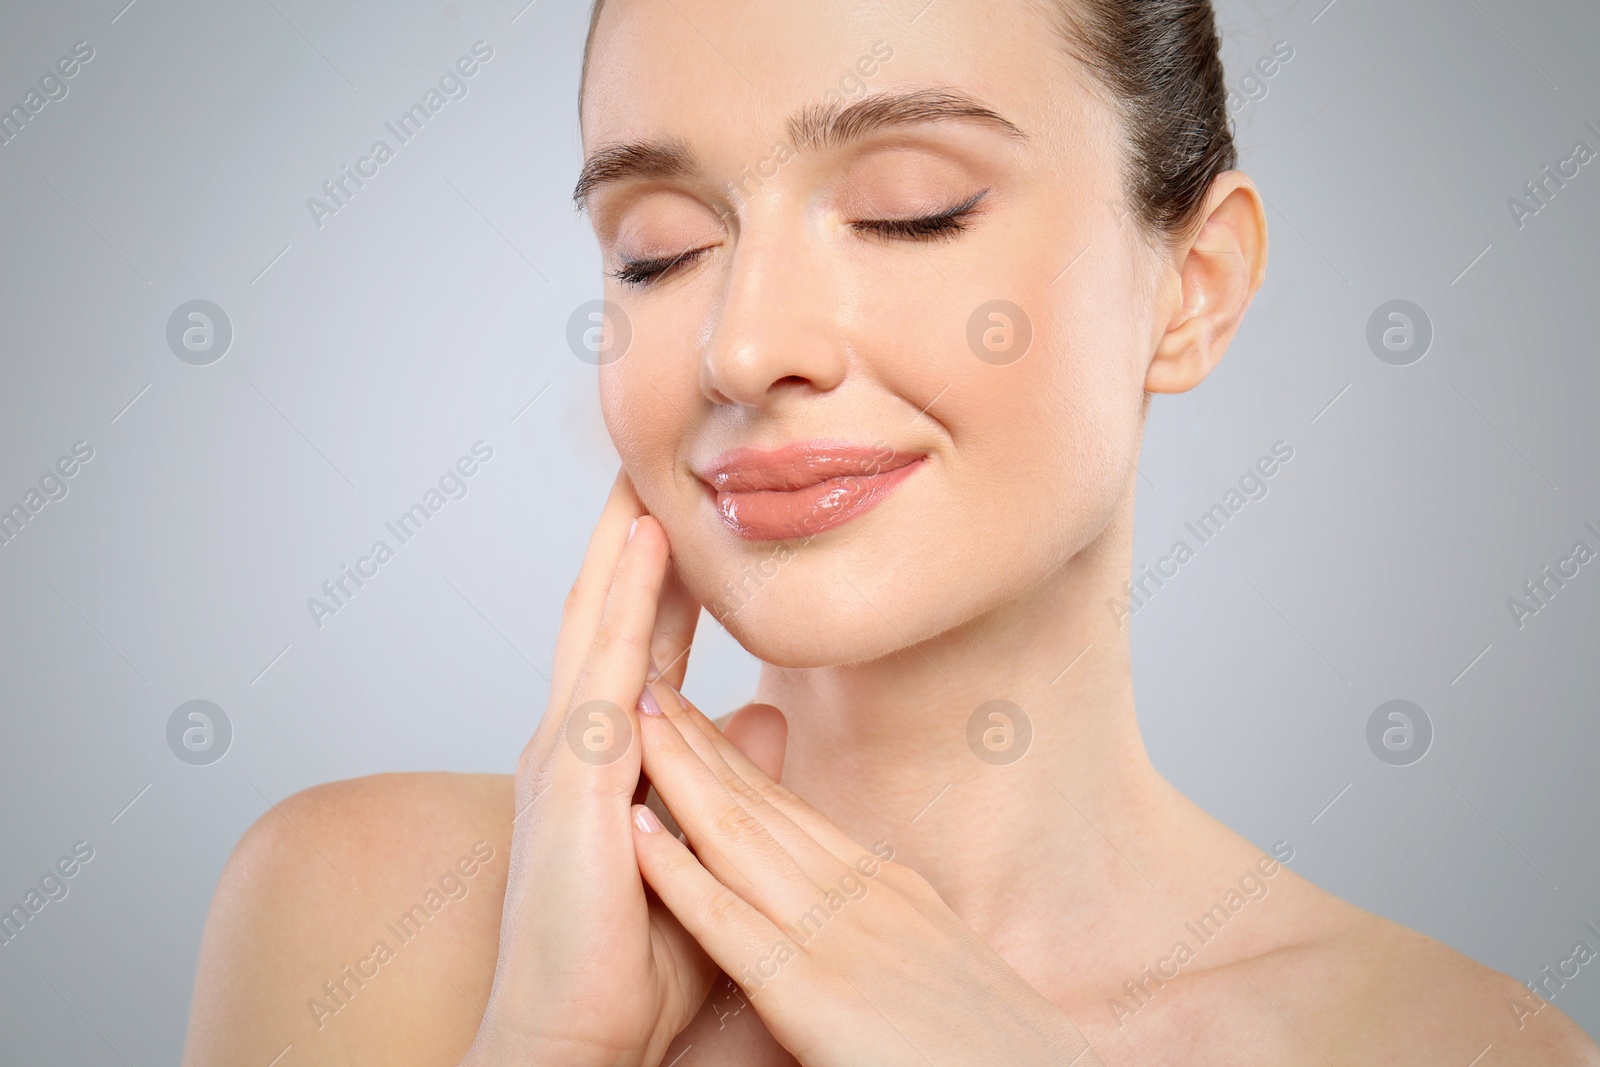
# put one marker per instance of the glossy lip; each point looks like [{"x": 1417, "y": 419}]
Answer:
[{"x": 803, "y": 489}]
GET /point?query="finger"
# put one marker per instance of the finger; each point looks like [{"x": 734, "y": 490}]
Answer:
[
  {"x": 586, "y": 766},
  {"x": 572, "y": 795},
  {"x": 761, "y": 734},
  {"x": 577, "y": 787},
  {"x": 580, "y": 613},
  {"x": 815, "y": 825},
  {"x": 676, "y": 618},
  {"x": 608, "y": 684},
  {"x": 677, "y": 612},
  {"x": 683, "y": 958},
  {"x": 821, "y": 847},
  {"x": 732, "y": 932},
  {"x": 748, "y": 845}
]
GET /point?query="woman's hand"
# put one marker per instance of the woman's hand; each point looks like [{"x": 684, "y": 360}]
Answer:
[
  {"x": 591, "y": 971},
  {"x": 847, "y": 957}
]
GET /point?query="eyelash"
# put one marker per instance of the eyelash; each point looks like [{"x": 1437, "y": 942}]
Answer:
[
  {"x": 641, "y": 272},
  {"x": 944, "y": 226}
]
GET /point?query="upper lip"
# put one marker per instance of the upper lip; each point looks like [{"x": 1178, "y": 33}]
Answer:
[{"x": 798, "y": 465}]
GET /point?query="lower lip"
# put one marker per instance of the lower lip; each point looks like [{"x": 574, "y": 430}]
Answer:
[{"x": 783, "y": 515}]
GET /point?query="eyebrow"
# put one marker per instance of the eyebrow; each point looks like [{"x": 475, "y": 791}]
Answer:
[{"x": 818, "y": 126}]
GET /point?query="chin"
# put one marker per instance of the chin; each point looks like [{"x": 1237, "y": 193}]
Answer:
[
  {"x": 904, "y": 573},
  {"x": 822, "y": 605},
  {"x": 802, "y": 629}
]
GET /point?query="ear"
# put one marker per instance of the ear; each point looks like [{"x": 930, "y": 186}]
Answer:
[{"x": 1220, "y": 268}]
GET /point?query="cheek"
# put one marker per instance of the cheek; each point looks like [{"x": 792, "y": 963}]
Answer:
[
  {"x": 1052, "y": 436},
  {"x": 649, "y": 394},
  {"x": 620, "y": 406},
  {"x": 1091, "y": 390},
  {"x": 1051, "y": 439},
  {"x": 646, "y": 402},
  {"x": 643, "y": 428}
]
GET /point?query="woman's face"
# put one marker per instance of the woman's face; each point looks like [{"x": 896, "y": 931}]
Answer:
[{"x": 986, "y": 370}]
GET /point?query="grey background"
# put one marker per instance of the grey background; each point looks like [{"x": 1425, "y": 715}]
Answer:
[{"x": 370, "y": 353}]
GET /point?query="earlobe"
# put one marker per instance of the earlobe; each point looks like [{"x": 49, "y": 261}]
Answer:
[{"x": 1221, "y": 267}]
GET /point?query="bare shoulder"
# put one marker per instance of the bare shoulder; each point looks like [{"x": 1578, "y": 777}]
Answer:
[
  {"x": 1365, "y": 989},
  {"x": 356, "y": 922},
  {"x": 1279, "y": 971}
]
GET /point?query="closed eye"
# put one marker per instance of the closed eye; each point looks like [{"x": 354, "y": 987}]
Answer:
[
  {"x": 641, "y": 272},
  {"x": 942, "y": 226}
]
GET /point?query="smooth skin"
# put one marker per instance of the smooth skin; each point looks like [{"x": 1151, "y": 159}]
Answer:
[{"x": 1010, "y": 907}]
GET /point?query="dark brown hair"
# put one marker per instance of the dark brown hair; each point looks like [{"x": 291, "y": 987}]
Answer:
[
  {"x": 1161, "y": 64},
  {"x": 1161, "y": 61}
]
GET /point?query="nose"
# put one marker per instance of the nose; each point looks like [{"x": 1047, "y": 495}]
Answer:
[{"x": 778, "y": 330}]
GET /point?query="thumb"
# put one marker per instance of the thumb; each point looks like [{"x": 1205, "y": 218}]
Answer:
[{"x": 762, "y": 733}]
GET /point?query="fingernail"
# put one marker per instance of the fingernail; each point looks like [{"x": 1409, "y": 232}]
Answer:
[
  {"x": 648, "y": 704},
  {"x": 646, "y": 820},
  {"x": 632, "y": 528}
]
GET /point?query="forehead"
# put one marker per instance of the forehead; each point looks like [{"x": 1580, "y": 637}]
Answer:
[{"x": 732, "y": 73}]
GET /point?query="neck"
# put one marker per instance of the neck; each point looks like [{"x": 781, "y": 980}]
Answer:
[{"x": 882, "y": 748}]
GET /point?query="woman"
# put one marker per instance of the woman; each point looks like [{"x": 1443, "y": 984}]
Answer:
[{"x": 900, "y": 280}]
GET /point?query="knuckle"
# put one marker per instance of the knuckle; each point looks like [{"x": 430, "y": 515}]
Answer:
[
  {"x": 901, "y": 879},
  {"x": 879, "y": 932},
  {"x": 581, "y": 685},
  {"x": 532, "y": 760},
  {"x": 737, "y": 824},
  {"x": 533, "y": 770},
  {"x": 725, "y": 906},
  {"x": 744, "y": 791},
  {"x": 782, "y": 794},
  {"x": 611, "y": 636},
  {"x": 912, "y": 880},
  {"x": 529, "y": 758}
]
